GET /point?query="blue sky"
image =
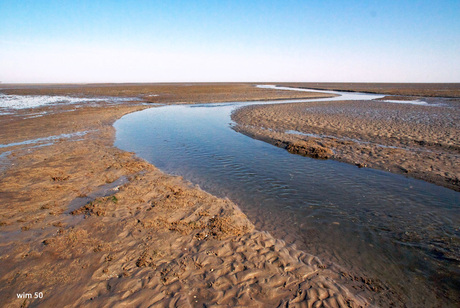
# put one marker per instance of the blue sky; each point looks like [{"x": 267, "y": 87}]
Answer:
[{"x": 168, "y": 41}]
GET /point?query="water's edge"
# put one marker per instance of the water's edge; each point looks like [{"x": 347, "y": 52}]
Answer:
[{"x": 194, "y": 141}]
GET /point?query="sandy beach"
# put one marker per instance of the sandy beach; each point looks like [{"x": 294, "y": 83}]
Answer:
[
  {"x": 85, "y": 224},
  {"x": 416, "y": 140}
]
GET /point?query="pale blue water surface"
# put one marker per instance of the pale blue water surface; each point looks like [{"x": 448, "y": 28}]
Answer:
[{"x": 399, "y": 231}]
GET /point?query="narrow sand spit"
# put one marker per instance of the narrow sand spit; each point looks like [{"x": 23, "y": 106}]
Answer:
[
  {"x": 421, "y": 141},
  {"x": 154, "y": 239}
]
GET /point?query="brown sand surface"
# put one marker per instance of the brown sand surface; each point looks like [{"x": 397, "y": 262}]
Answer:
[
  {"x": 163, "y": 93},
  {"x": 410, "y": 89},
  {"x": 89, "y": 225},
  {"x": 418, "y": 141}
]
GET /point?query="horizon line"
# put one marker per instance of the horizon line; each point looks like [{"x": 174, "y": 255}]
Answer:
[{"x": 220, "y": 82}]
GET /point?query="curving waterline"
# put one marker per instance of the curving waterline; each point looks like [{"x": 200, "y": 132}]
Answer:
[
  {"x": 340, "y": 96},
  {"x": 375, "y": 224},
  {"x": 349, "y": 95}
]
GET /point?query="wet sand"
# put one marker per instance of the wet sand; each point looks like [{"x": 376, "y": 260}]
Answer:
[
  {"x": 420, "y": 141},
  {"x": 451, "y": 90},
  {"x": 175, "y": 93},
  {"x": 87, "y": 224}
]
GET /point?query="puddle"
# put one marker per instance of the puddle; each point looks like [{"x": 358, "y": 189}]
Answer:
[
  {"x": 415, "y": 102},
  {"x": 44, "y": 139},
  {"x": 9, "y": 104},
  {"x": 102, "y": 191},
  {"x": 33, "y": 101},
  {"x": 4, "y": 160}
]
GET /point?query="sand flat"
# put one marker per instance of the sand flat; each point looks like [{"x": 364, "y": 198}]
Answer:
[
  {"x": 400, "y": 89},
  {"x": 174, "y": 93},
  {"x": 152, "y": 240}
]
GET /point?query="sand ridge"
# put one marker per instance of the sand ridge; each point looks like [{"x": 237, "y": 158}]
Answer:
[{"x": 418, "y": 141}]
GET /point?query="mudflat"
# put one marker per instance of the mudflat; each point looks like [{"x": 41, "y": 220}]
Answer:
[
  {"x": 420, "y": 141},
  {"x": 85, "y": 224},
  {"x": 175, "y": 93},
  {"x": 412, "y": 89}
]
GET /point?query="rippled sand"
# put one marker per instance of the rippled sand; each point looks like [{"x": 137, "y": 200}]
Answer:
[
  {"x": 151, "y": 240},
  {"x": 421, "y": 141}
]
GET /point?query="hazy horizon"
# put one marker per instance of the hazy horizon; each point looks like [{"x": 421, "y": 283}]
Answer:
[
  {"x": 211, "y": 82},
  {"x": 229, "y": 41}
]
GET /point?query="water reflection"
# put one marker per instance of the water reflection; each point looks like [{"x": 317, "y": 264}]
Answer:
[{"x": 401, "y": 231}]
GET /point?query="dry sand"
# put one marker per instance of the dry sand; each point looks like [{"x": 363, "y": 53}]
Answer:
[
  {"x": 415, "y": 140},
  {"x": 89, "y": 225}
]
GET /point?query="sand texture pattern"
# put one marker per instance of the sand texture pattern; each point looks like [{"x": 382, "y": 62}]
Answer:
[
  {"x": 418, "y": 141},
  {"x": 92, "y": 226}
]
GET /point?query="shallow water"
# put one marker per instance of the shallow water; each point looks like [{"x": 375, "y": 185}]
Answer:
[
  {"x": 8, "y": 103},
  {"x": 33, "y": 101},
  {"x": 414, "y": 102},
  {"x": 44, "y": 139},
  {"x": 400, "y": 231}
]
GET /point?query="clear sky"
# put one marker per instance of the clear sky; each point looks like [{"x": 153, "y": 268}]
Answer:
[{"x": 174, "y": 41}]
